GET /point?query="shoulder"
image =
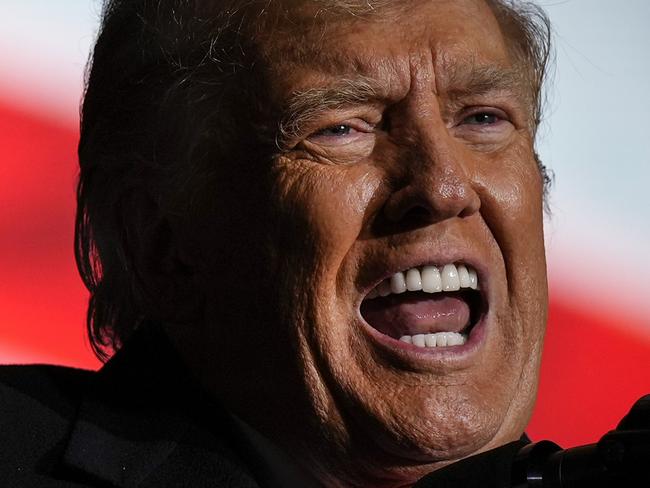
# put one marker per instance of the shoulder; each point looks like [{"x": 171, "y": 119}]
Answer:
[
  {"x": 37, "y": 405},
  {"x": 41, "y": 387},
  {"x": 18, "y": 376}
]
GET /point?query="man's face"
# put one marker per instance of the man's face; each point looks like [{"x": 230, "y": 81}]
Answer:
[{"x": 407, "y": 150}]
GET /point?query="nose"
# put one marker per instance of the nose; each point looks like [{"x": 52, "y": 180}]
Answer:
[{"x": 434, "y": 184}]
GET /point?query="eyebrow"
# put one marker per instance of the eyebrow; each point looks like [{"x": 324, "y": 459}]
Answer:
[
  {"x": 466, "y": 80},
  {"x": 304, "y": 106}
]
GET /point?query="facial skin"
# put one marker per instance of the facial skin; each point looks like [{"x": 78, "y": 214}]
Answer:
[{"x": 436, "y": 167}]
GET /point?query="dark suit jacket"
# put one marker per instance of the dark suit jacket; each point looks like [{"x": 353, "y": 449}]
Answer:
[{"x": 139, "y": 421}]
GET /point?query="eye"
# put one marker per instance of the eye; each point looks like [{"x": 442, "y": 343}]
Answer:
[
  {"x": 334, "y": 131},
  {"x": 340, "y": 134},
  {"x": 484, "y": 118},
  {"x": 484, "y": 125}
]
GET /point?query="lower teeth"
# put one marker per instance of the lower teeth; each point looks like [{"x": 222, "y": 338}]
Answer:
[{"x": 438, "y": 339}]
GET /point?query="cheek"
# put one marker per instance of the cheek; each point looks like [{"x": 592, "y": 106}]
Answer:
[
  {"x": 512, "y": 207},
  {"x": 512, "y": 190},
  {"x": 511, "y": 193},
  {"x": 321, "y": 209}
]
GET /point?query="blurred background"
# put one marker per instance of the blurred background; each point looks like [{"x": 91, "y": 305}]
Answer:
[{"x": 596, "y": 138}]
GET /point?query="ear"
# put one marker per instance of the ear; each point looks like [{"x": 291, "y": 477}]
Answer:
[{"x": 167, "y": 284}]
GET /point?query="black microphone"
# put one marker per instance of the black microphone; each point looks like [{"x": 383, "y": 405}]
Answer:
[{"x": 621, "y": 458}]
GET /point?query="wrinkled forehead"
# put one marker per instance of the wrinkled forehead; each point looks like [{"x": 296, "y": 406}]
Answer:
[{"x": 307, "y": 42}]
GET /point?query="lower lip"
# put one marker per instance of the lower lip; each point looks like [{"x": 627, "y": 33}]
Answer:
[{"x": 459, "y": 356}]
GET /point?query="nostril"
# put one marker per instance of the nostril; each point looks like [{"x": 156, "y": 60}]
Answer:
[
  {"x": 407, "y": 206},
  {"x": 404, "y": 219},
  {"x": 415, "y": 216}
]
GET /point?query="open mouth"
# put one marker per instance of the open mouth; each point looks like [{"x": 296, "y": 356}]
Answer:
[{"x": 428, "y": 306}]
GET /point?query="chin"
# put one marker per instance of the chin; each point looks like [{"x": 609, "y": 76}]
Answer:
[{"x": 397, "y": 413}]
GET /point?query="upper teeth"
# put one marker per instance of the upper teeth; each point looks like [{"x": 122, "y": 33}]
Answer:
[{"x": 429, "y": 279}]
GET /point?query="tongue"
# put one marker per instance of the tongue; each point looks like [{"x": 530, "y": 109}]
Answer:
[{"x": 417, "y": 313}]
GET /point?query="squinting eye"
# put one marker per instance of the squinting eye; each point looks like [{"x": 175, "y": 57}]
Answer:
[
  {"x": 335, "y": 130},
  {"x": 482, "y": 118},
  {"x": 342, "y": 134}
]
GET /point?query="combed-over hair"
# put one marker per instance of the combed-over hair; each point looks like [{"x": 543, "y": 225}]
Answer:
[{"x": 166, "y": 87}]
